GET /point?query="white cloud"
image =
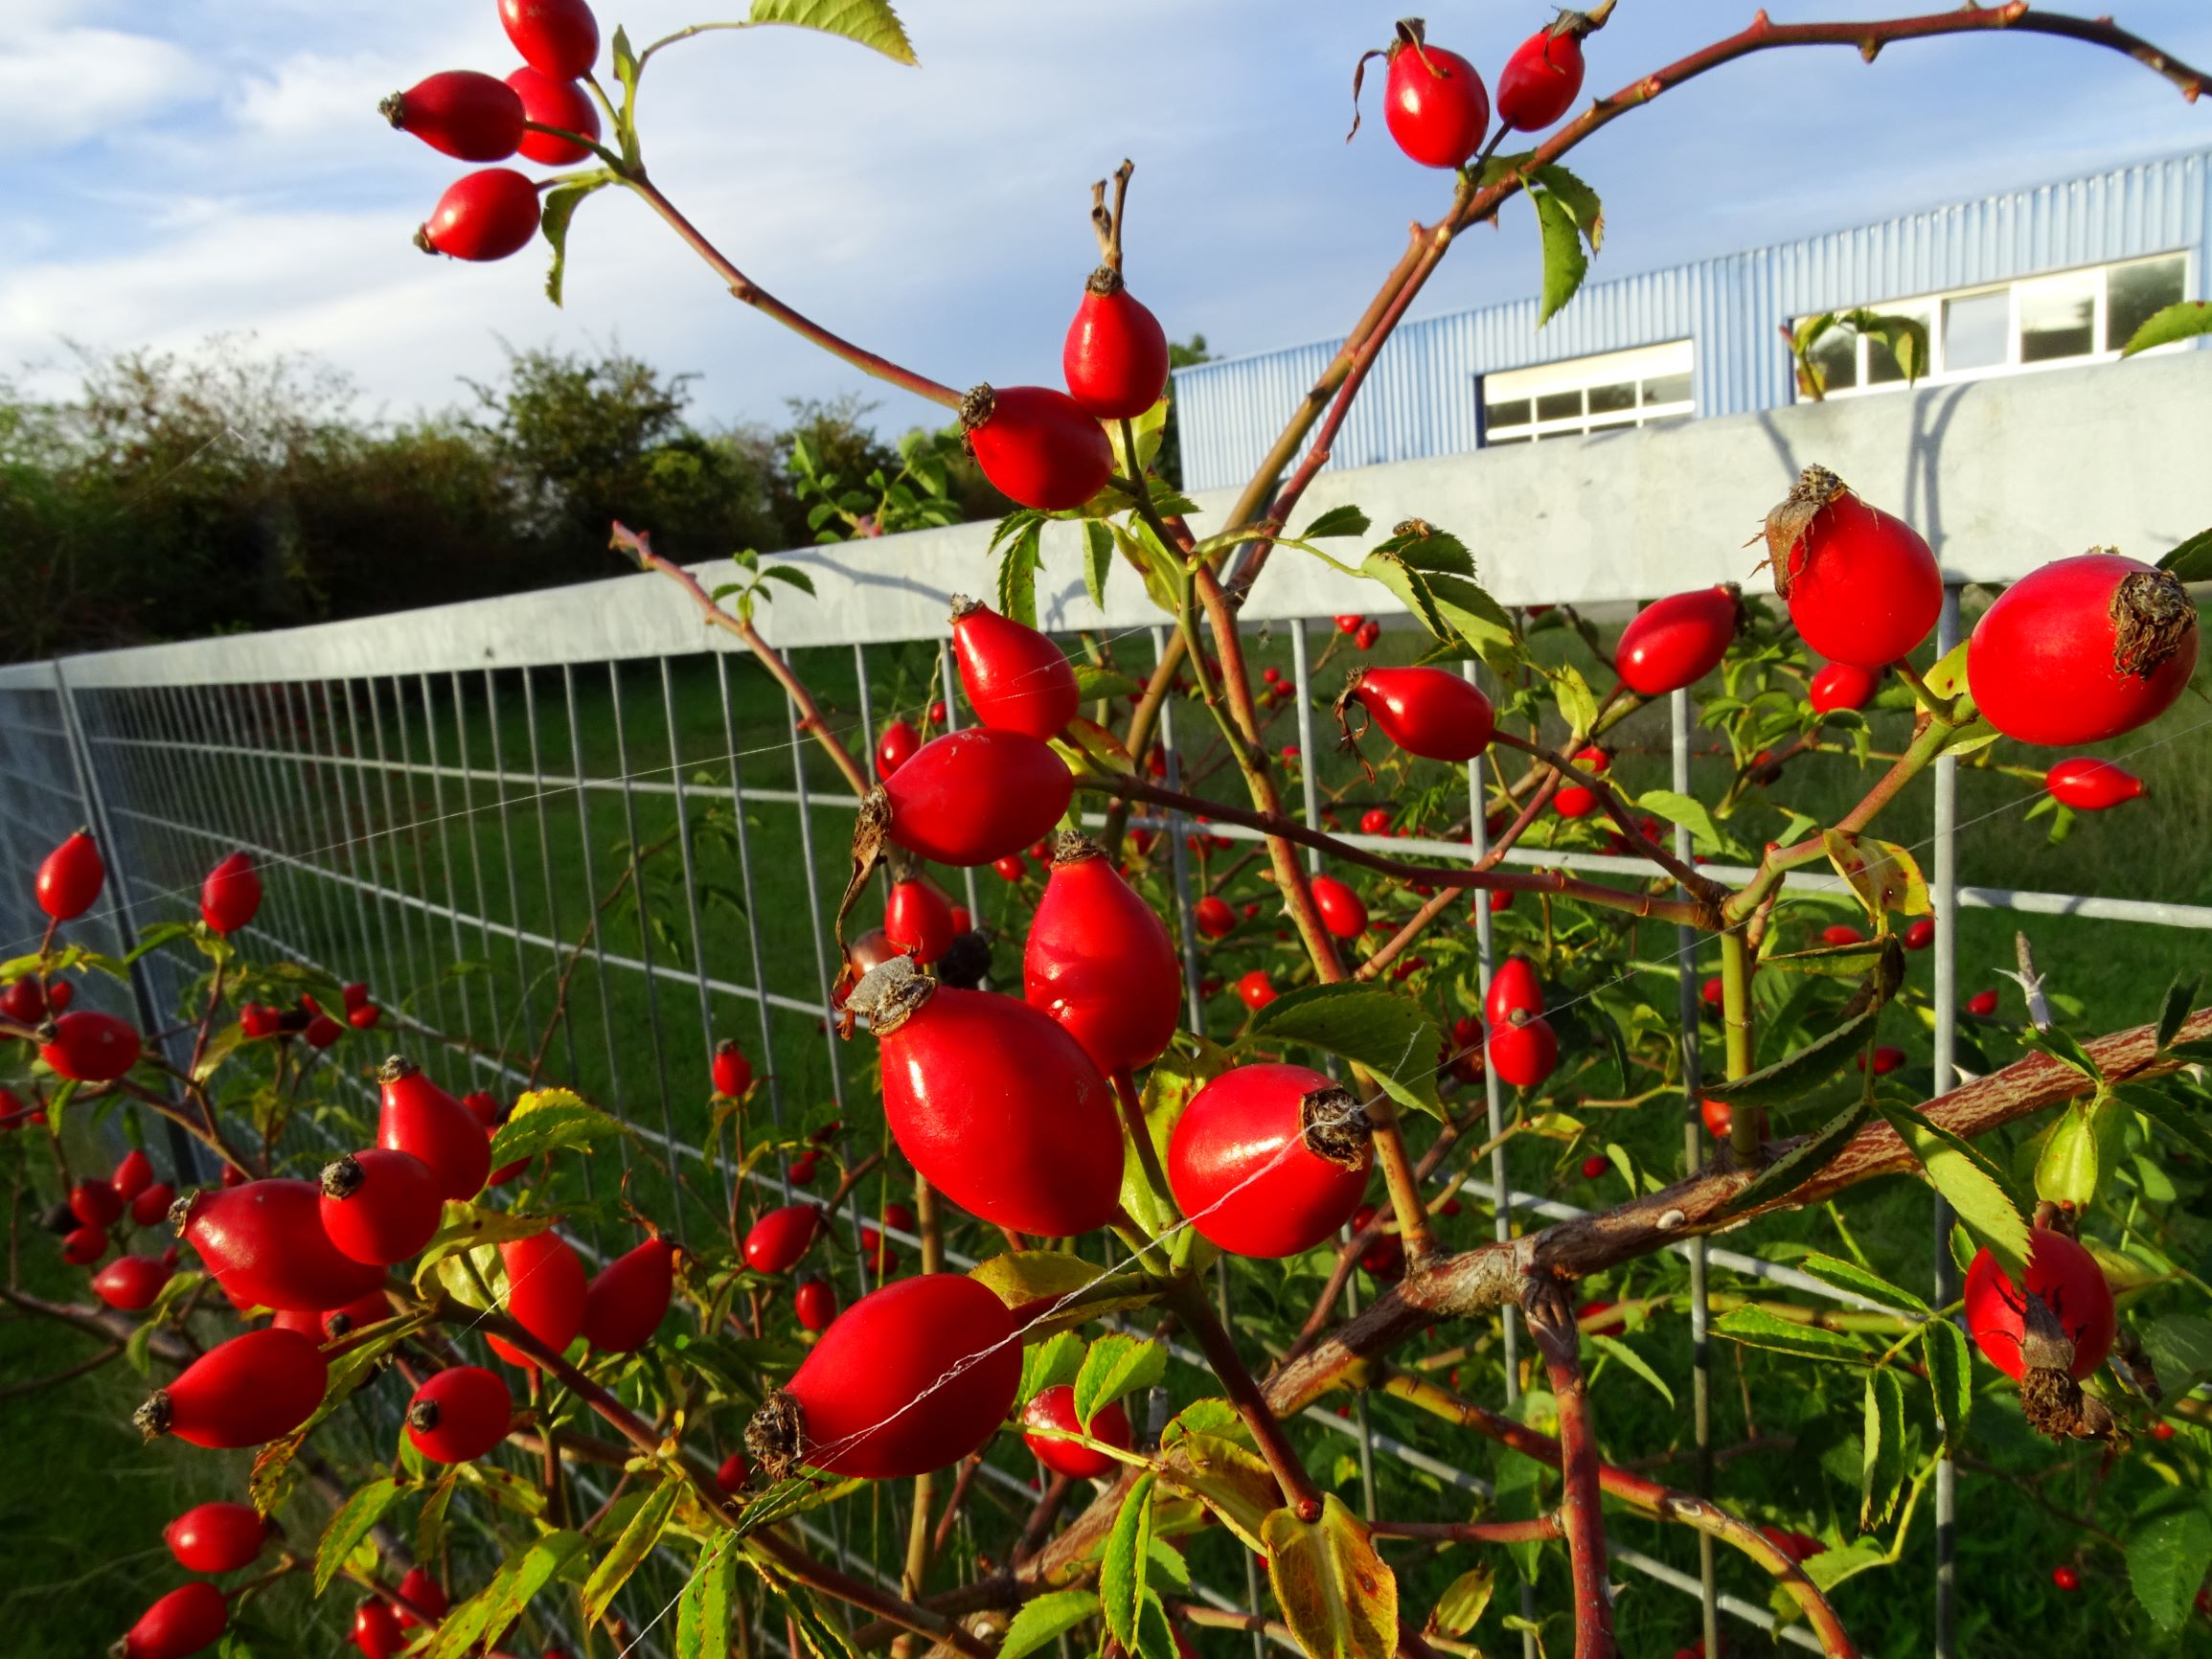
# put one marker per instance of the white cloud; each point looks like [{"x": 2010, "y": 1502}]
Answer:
[{"x": 61, "y": 86}]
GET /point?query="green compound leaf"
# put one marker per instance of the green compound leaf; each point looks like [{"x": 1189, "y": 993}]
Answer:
[{"x": 1388, "y": 1034}]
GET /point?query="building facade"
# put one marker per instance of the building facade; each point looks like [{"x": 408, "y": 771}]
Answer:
[{"x": 2054, "y": 276}]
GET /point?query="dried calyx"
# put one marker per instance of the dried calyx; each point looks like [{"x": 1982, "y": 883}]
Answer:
[
  {"x": 2151, "y": 618},
  {"x": 1815, "y": 487},
  {"x": 342, "y": 1179},
  {"x": 1074, "y": 846},
  {"x": 1582, "y": 23},
  {"x": 397, "y": 1067},
  {"x": 1336, "y": 1126},
  {"x": 1106, "y": 224},
  {"x": 962, "y": 605},
  {"x": 422, "y": 1415},
  {"x": 153, "y": 1417},
  {"x": 889, "y": 993},
  {"x": 776, "y": 1437},
  {"x": 976, "y": 406}
]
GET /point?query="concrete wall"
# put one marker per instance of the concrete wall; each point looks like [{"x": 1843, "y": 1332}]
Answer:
[{"x": 2001, "y": 475}]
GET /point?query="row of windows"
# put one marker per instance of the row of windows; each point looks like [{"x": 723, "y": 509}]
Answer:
[{"x": 2009, "y": 328}]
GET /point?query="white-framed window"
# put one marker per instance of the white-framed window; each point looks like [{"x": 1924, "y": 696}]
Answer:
[
  {"x": 1643, "y": 387},
  {"x": 2059, "y": 321}
]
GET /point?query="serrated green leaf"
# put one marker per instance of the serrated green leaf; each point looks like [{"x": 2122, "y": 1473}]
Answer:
[
  {"x": 1167, "y": 1564},
  {"x": 546, "y": 1120},
  {"x": 1973, "y": 1187},
  {"x": 2184, "y": 320},
  {"x": 1631, "y": 1359},
  {"x": 1344, "y": 521},
  {"x": 2166, "y": 1559},
  {"x": 1056, "y": 1361},
  {"x": 1691, "y": 813},
  {"x": 1578, "y": 703},
  {"x": 1098, "y": 559},
  {"x": 636, "y": 1542},
  {"x": 1950, "y": 1368},
  {"x": 2190, "y": 560},
  {"x": 1850, "y": 1276},
  {"x": 2062, "y": 1045},
  {"x": 1338, "y": 1597},
  {"x": 1579, "y": 200},
  {"x": 791, "y": 576},
  {"x": 1116, "y": 1365},
  {"x": 1123, "y": 1565},
  {"x": 554, "y": 220},
  {"x": 503, "y": 1598},
  {"x": 355, "y": 1519},
  {"x": 872, "y": 23},
  {"x": 1092, "y": 683},
  {"x": 1411, "y": 586},
  {"x": 1883, "y": 1464},
  {"x": 1478, "y": 620},
  {"x": 1564, "y": 264},
  {"x": 1756, "y": 1327},
  {"x": 703, "y": 1605},
  {"x": 1046, "y": 1619},
  {"x": 1798, "y": 1074},
  {"x": 1387, "y": 1033},
  {"x": 1018, "y": 539}
]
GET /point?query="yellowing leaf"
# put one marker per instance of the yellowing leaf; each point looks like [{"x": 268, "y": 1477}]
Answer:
[
  {"x": 1338, "y": 1597},
  {"x": 1883, "y": 873}
]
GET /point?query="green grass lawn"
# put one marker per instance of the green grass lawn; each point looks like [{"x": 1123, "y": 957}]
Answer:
[{"x": 545, "y": 861}]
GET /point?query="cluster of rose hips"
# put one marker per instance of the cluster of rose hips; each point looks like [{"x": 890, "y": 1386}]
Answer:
[{"x": 1435, "y": 103}]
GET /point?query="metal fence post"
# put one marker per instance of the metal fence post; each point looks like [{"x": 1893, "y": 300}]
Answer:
[{"x": 1943, "y": 895}]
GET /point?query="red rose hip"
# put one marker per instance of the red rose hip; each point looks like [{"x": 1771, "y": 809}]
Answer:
[
  {"x": 1861, "y": 585},
  {"x": 1015, "y": 677},
  {"x": 778, "y": 1239},
  {"x": 379, "y": 1207},
  {"x": 1677, "y": 640},
  {"x": 1053, "y": 1408},
  {"x": 2071, "y": 1286},
  {"x": 549, "y": 102},
  {"x": 231, "y": 895},
  {"x": 215, "y": 1537},
  {"x": 545, "y": 1293},
  {"x": 418, "y": 1117},
  {"x": 92, "y": 1048},
  {"x": 1545, "y": 75},
  {"x": 556, "y": 38},
  {"x": 264, "y": 1243},
  {"x": 245, "y": 1392},
  {"x": 482, "y": 215},
  {"x": 1038, "y": 447},
  {"x": 181, "y": 1623},
  {"x": 972, "y": 797},
  {"x": 1115, "y": 357},
  {"x": 2091, "y": 786},
  {"x": 912, "y": 1378},
  {"x": 1100, "y": 961},
  {"x": 1433, "y": 101},
  {"x": 459, "y": 1414},
  {"x": 70, "y": 878},
  {"x": 626, "y": 1299},
  {"x": 462, "y": 113},
  {"x": 1268, "y": 1159},
  {"x": 1429, "y": 711},
  {"x": 1842, "y": 686},
  {"x": 2082, "y": 650},
  {"x": 733, "y": 1072}
]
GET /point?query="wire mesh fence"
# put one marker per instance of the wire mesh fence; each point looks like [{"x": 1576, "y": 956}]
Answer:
[{"x": 557, "y": 856}]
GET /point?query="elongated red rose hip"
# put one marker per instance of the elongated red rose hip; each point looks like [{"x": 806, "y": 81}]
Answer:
[
  {"x": 264, "y": 1243},
  {"x": 1677, "y": 640},
  {"x": 1524, "y": 1051},
  {"x": 130, "y": 1282},
  {"x": 215, "y": 1537},
  {"x": 1545, "y": 75},
  {"x": 556, "y": 38},
  {"x": 381, "y": 1207},
  {"x": 92, "y": 1048},
  {"x": 1433, "y": 101},
  {"x": 2091, "y": 786},
  {"x": 467, "y": 115},
  {"x": 548, "y": 102},
  {"x": 777, "y": 1241},
  {"x": 230, "y": 896},
  {"x": 248, "y": 1391},
  {"x": 417, "y": 1117},
  {"x": 1015, "y": 677},
  {"x": 1513, "y": 989},
  {"x": 1427, "y": 712},
  {"x": 894, "y": 748},
  {"x": 1039, "y": 447},
  {"x": 974, "y": 796},
  {"x": 1100, "y": 961},
  {"x": 1861, "y": 585},
  {"x": 625, "y": 1301},
  {"x": 2082, "y": 650},
  {"x": 180, "y": 1624},
  {"x": 484, "y": 215},
  {"x": 993, "y": 1104},
  {"x": 1270, "y": 1160},
  {"x": 1115, "y": 358},
  {"x": 1842, "y": 686},
  {"x": 1343, "y": 912},
  {"x": 912, "y": 1378},
  {"x": 545, "y": 1294},
  {"x": 70, "y": 878}
]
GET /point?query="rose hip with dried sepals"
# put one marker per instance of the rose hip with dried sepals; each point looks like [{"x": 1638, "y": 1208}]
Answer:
[
  {"x": 1861, "y": 585},
  {"x": 1038, "y": 447},
  {"x": 2082, "y": 650},
  {"x": 1115, "y": 358},
  {"x": 1433, "y": 101}
]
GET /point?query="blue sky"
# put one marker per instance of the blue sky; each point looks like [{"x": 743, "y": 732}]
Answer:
[{"x": 188, "y": 167}]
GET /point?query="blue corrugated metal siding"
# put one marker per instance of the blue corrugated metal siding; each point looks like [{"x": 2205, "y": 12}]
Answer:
[{"x": 1420, "y": 398}]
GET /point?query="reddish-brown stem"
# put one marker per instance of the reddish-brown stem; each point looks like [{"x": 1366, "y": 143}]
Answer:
[
  {"x": 810, "y": 721},
  {"x": 744, "y": 287},
  {"x": 1687, "y": 913},
  {"x": 1140, "y": 1133},
  {"x": 1546, "y": 787},
  {"x": 1191, "y": 1306},
  {"x": 1538, "y": 1530},
  {"x": 1640, "y": 844},
  {"x": 1551, "y": 1321},
  {"x": 1645, "y": 1496}
]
